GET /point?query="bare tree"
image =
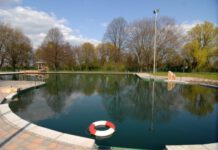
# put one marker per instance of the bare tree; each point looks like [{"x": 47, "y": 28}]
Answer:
[
  {"x": 51, "y": 50},
  {"x": 15, "y": 47},
  {"x": 78, "y": 56},
  {"x": 116, "y": 34},
  {"x": 168, "y": 41},
  {"x": 5, "y": 31},
  {"x": 102, "y": 53},
  {"x": 54, "y": 35},
  {"x": 140, "y": 41}
]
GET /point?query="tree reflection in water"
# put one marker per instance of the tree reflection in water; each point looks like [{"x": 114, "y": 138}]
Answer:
[
  {"x": 200, "y": 100},
  {"x": 141, "y": 100},
  {"x": 126, "y": 96}
]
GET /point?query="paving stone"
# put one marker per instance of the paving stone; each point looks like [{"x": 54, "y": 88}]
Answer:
[
  {"x": 193, "y": 147},
  {"x": 21, "y": 148},
  {"x": 76, "y": 140},
  {"x": 21, "y": 123},
  {"x": 45, "y": 143},
  {"x": 213, "y": 146},
  {"x": 46, "y": 132},
  {"x": 11, "y": 117},
  {"x": 52, "y": 145},
  {"x": 24, "y": 136},
  {"x": 4, "y": 108},
  {"x": 38, "y": 141}
]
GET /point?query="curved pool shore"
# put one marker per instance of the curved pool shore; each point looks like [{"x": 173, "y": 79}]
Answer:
[{"x": 14, "y": 129}]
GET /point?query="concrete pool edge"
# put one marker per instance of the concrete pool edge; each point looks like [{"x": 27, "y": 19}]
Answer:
[
  {"x": 20, "y": 123},
  {"x": 209, "y": 146},
  {"x": 11, "y": 95},
  {"x": 180, "y": 80}
]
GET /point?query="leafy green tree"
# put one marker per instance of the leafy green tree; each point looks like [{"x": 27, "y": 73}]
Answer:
[
  {"x": 200, "y": 100},
  {"x": 69, "y": 61},
  {"x": 89, "y": 55},
  {"x": 104, "y": 53},
  {"x": 201, "y": 49}
]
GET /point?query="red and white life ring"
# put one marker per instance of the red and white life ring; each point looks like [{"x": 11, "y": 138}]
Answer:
[{"x": 105, "y": 133}]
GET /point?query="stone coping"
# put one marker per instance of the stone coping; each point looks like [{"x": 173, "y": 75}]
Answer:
[
  {"x": 177, "y": 81},
  {"x": 210, "y": 146},
  {"x": 20, "y": 123},
  {"x": 180, "y": 80}
]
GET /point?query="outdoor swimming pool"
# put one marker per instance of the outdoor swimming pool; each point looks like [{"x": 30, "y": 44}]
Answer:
[{"x": 147, "y": 114}]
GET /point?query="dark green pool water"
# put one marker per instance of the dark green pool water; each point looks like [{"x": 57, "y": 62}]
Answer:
[{"x": 147, "y": 114}]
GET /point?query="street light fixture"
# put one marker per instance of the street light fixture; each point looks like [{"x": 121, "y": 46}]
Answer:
[{"x": 156, "y": 11}]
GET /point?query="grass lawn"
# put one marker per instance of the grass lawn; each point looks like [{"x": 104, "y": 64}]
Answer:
[{"x": 206, "y": 75}]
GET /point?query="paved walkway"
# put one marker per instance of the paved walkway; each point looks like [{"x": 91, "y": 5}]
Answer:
[
  {"x": 11, "y": 87},
  {"x": 13, "y": 138},
  {"x": 192, "y": 80},
  {"x": 149, "y": 76}
]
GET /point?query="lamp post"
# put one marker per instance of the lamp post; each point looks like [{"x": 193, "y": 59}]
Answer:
[
  {"x": 152, "y": 107},
  {"x": 156, "y": 11}
]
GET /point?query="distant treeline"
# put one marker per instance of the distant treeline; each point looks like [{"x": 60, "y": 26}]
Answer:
[{"x": 125, "y": 47}]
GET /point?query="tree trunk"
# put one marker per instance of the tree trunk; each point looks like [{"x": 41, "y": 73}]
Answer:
[{"x": 2, "y": 62}]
